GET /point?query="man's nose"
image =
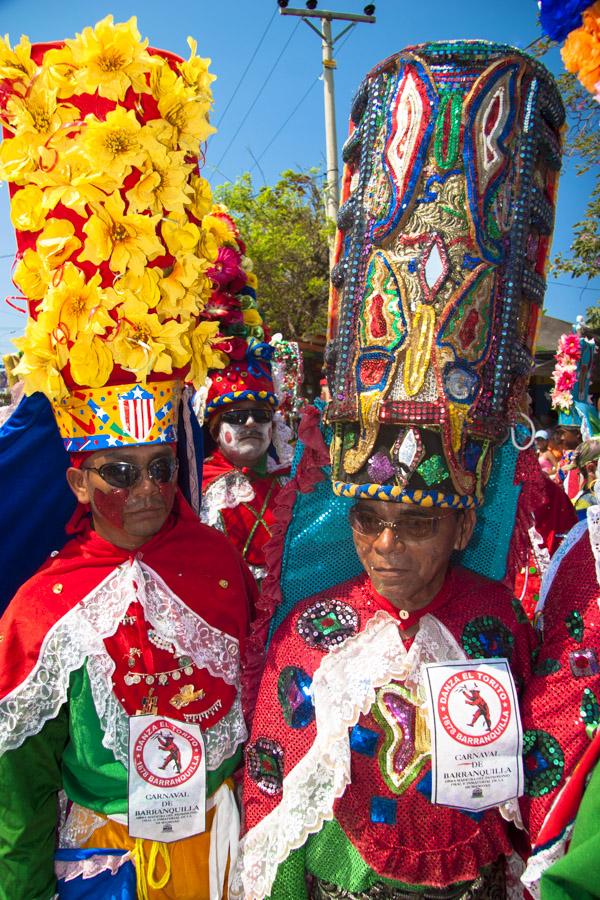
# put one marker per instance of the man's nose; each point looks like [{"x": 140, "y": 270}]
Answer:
[
  {"x": 388, "y": 540},
  {"x": 146, "y": 485}
]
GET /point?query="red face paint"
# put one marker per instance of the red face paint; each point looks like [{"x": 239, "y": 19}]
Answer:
[{"x": 111, "y": 505}]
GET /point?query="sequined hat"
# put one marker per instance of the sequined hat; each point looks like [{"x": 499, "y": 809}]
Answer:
[
  {"x": 572, "y": 376},
  {"x": 244, "y": 371},
  {"x": 443, "y": 233},
  {"x": 100, "y": 151}
]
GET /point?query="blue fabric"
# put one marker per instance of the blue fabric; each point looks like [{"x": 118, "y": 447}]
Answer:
[
  {"x": 36, "y": 499},
  {"x": 105, "y": 886},
  {"x": 559, "y": 17},
  {"x": 189, "y": 457}
]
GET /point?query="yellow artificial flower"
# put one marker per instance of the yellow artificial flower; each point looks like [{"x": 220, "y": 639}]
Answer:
[
  {"x": 19, "y": 158},
  {"x": 195, "y": 70},
  {"x": 31, "y": 275},
  {"x": 39, "y": 115},
  {"x": 79, "y": 305},
  {"x": 60, "y": 71},
  {"x": 26, "y": 209},
  {"x": 186, "y": 114},
  {"x": 179, "y": 234},
  {"x": 144, "y": 287},
  {"x": 252, "y": 317},
  {"x": 179, "y": 288},
  {"x": 113, "y": 146},
  {"x": 208, "y": 246},
  {"x": 73, "y": 183},
  {"x": 125, "y": 241},
  {"x": 201, "y": 197},
  {"x": 205, "y": 355},
  {"x": 221, "y": 229},
  {"x": 42, "y": 360},
  {"x": 57, "y": 242},
  {"x": 251, "y": 279},
  {"x": 163, "y": 184},
  {"x": 16, "y": 63},
  {"x": 90, "y": 361},
  {"x": 144, "y": 344},
  {"x": 110, "y": 59}
]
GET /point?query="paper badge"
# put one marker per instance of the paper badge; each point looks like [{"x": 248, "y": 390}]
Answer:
[
  {"x": 476, "y": 734},
  {"x": 167, "y": 779}
]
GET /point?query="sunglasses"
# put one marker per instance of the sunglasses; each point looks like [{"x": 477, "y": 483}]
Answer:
[
  {"x": 241, "y": 416},
  {"x": 413, "y": 528},
  {"x": 125, "y": 474}
]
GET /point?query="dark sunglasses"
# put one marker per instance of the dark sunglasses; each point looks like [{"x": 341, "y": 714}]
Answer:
[
  {"x": 241, "y": 416},
  {"x": 125, "y": 474}
]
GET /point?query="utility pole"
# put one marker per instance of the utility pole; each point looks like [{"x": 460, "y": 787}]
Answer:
[{"x": 332, "y": 196}]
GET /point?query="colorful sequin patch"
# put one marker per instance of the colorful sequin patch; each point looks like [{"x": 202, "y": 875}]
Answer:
[
  {"x": 405, "y": 748},
  {"x": 364, "y": 740},
  {"x": 544, "y": 763},
  {"x": 327, "y": 623},
  {"x": 574, "y": 623},
  {"x": 546, "y": 666},
  {"x": 487, "y": 636},
  {"x": 433, "y": 470},
  {"x": 265, "y": 765},
  {"x": 383, "y": 810},
  {"x": 583, "y": 663},
  {"x": 590, "y": 711},
  {"x": 293, "y": 690}
]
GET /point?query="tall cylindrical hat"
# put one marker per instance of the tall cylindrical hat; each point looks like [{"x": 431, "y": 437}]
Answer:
[
  {"x": 101, "y": 146},
  {"x": 446, "y": 218}
]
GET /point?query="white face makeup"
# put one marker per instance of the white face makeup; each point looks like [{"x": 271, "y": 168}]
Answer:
[{"x": 244, "y": 445}]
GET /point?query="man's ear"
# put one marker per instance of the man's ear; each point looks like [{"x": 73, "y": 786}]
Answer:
[
  {"x": 213, "y": 427},
  {"x": 78, "y": 482},
  {"x": 465, "y": 529}
]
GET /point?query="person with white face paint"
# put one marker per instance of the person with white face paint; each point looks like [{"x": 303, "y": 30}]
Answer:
[{"x": 243, "y": 476}]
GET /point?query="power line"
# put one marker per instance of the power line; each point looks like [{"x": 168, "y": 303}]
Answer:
[
  {"x": 245, "y": 72},
  {"x": 260, "y": 90},
  {"x": 294, "y": 110},
  {"x": 574, "y": 287}
]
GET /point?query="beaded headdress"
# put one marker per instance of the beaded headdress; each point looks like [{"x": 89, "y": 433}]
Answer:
[
  {"x": 447, "y": 212},
  {"x": 244, "y": 369},
  {"x": 101, "y": 146}
]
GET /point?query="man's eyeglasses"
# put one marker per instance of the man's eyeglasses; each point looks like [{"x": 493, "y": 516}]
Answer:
[
  {"x": 241, "y": 416},
  {"x": 126, "y": 474},
  {"x": 407, "y": 527}
]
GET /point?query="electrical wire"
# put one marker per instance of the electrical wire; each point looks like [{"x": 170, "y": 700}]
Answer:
[
  {"x": 260, "y": 90},
  {"x": 245, "y": 72}
]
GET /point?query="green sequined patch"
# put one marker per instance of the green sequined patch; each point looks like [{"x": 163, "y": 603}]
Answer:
[
  {"x": 546, "y": 667},
  {"x": 486, "y": 637},
  {"x": 519, "y": 612},
  {"x": 574, "y": 623},
  {"x": 590, "y": 712},
  {"x": 544, "y": 763},
  {"x": 433, "y": 470}
]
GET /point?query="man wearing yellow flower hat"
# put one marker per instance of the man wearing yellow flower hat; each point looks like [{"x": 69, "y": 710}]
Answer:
[
  {"x": 120, "y": 659},
  {"x": 243, "y": 476}
]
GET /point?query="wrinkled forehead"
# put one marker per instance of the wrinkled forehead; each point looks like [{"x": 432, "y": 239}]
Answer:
[{"x": 141, "y": 455}]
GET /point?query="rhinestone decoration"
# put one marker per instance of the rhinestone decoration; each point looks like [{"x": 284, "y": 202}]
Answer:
[
  {"x": 265, "y": 765},
  {"x": 327, "y": 623},
  {"x": 583, "y": 663},
  {"x": 544, "y": 763},
  {"x": 486, "y": 637},
  {"x": 293, "y": 691}
]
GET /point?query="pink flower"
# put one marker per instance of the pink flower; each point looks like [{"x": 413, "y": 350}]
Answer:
[{"x": 227, "y": 271}]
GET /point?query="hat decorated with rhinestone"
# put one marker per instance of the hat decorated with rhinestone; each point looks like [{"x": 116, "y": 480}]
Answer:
[
  {"x": 443, "y": 233},
  {"x": 101, "y": 153},
  {"x": 244, "y": 371}
]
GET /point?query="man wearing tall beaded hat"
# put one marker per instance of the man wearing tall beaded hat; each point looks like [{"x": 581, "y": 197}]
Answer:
[
  {"x": 367, "y": 771},
  {"x": 120, "y": 659},
  {"x": 243, "y": 475}
]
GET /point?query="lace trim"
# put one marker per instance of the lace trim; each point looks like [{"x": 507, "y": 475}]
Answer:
[
  {"x": 80, "y": 633},
  {"x": 343, "y": 686},
  {"x": 68, "y": 870},
  {"x": 514, "y": 868},
  {"x": 226, "y": 492},
  {"x": 78, "y": 828},
  {"x": 593, "y": 521},
  {"x": 571, "y": 539},
  {"x": 539, "y": 862},
  {"x": 282, "y": 437}
]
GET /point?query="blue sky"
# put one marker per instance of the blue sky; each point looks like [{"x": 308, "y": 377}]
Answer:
[{"x": 272, "y": 119}]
